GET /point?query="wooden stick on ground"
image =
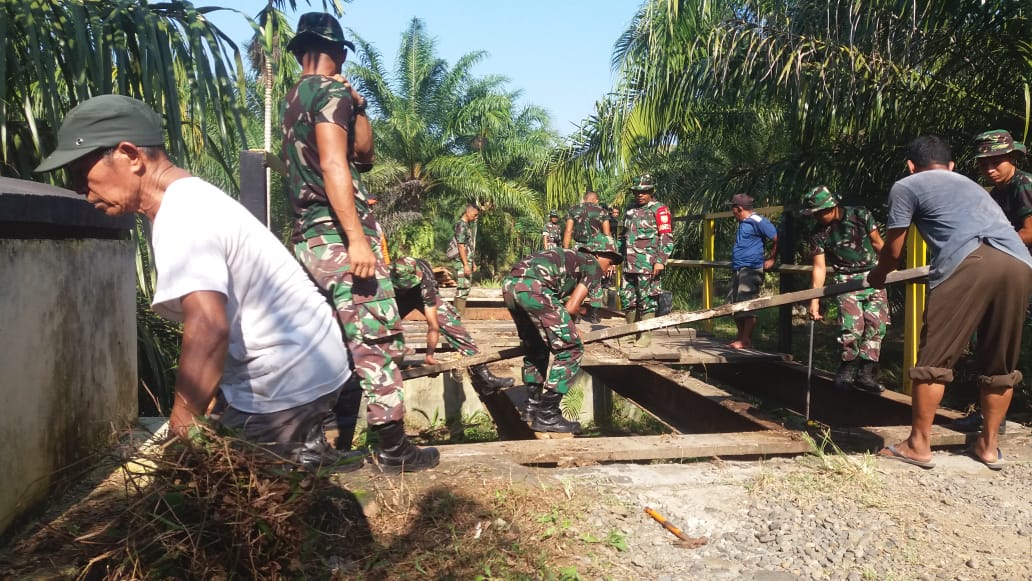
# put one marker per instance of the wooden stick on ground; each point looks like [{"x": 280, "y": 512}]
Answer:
[{"x": 673, "y": 319}]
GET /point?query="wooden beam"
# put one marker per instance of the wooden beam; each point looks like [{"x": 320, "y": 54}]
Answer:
[
  {"x": 680, "y": 318},
  {"x": 626, "y": 448}
]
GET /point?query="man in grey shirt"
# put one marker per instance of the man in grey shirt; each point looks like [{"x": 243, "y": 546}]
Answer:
[{"x": 977, "y": 261}]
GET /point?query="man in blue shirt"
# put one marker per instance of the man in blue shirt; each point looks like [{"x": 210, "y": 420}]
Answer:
[
  {"x": 748, "y": 263},
  {"x": 978, "y": 261}
]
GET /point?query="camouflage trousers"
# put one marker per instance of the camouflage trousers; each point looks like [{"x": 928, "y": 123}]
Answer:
[
  {"x": 863, "y": 317},
  {"x": 462, "y": 282},
  {"x": 451, "y": 327},
  {"x": 369, "y": 320},
  {"x": 545, "y": 328},
  {"x": 640, "y": 291}
]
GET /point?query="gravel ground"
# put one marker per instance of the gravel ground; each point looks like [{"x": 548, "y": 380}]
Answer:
[{"x": 852, "y": 517}]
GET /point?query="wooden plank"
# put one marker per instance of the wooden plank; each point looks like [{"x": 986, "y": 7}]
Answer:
[
  {"x": 629, "y": 448},
  {"x": 673, "y": 319},
  {"x": 686, "y": 263},
  {"x": 877, "y": 437}
]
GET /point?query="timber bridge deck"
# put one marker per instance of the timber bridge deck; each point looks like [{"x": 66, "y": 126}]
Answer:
[{"x": 715, "y": 401}]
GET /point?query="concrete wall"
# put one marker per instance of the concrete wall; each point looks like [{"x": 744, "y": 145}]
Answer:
[{"x": 67, "y": 359}]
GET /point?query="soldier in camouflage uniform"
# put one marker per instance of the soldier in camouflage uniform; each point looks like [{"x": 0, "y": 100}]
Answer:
[
  {"x": 416, "y": 289},
  {"x": 543, "y": 293},
  {"x": 335, "y": 235},
  {"x": 552, "y": 234},
  {"x": 646, "y": 244},
  {"x": 998, "y": 157},
  {"x": 461, "y": 250},
  {"x": 847, "y": 241},
  {"x": 583, "y": 222}
]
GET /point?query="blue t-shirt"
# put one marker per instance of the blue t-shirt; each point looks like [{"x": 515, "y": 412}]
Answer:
[
  {"x": 748, "y": 249},
  {"x": 954, "y": 215}
]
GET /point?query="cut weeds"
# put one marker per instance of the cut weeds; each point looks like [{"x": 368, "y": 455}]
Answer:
[{"x": 215, "y": 509}]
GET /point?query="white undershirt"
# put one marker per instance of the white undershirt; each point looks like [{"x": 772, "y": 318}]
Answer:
[{"x": 285, "y": 346}]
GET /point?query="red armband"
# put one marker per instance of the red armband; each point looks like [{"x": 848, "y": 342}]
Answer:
[{"x": 664, "y": 223}]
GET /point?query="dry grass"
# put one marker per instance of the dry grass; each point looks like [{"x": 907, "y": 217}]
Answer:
[{"x": 216, "y": 509}]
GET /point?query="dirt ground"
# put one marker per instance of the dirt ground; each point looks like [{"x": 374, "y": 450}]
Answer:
[{"x": 816, "y": 516}]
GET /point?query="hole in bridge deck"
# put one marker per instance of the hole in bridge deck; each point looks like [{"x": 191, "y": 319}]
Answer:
[{"x": 673, "y": 404}]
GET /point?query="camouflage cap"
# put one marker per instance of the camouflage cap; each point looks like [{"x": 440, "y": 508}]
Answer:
[
  {"x": 103, "y": 121},
  {"x": 643, "y": 183},
  {"x": 996, "y": 142},
  {"x": 602, "y": 244},
  {"x": 817, "y": 199},
  {"x": 319, "y": 25},
  {"x": 553, "y": 214}
]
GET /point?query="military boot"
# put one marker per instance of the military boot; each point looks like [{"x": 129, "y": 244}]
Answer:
[
  {"x": 867, "y": 378},
  {"x": 533, "y": 402},
  {"x": 631, "y": 316},
  {"x": 397, "y": 454},
  {"x": 486, "y": 383},
  {"x": 846, "y": 375},
  {"x": 644, "y": 339},
  {"x": 547, "y": 417},
  {"x": 592, "y": 316},
  {"x": 973, "y": 423},
  {"x": 316, "y": 454},
  {"x": 460, "y": 306}
]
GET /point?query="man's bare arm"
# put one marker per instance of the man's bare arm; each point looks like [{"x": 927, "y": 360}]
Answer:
[
  {"x": 888, "y": 259},
  {"x": 332, "y": 141},
  {"x": 573, "y": 303},
  {"x": 568, "y": 233},
  {"x": 201, "y": 359}
]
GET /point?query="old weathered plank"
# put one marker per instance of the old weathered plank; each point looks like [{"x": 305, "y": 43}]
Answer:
[{"x": 628, "y": 448}]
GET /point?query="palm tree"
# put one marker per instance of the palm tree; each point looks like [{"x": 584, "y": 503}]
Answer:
[{"x": 443, "y": 133}]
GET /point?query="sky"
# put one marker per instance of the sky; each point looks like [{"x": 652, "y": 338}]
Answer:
[{"x": 557, "y": 53}]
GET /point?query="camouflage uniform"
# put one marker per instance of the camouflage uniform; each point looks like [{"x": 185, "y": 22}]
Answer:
[
  {"x": 864, "y": 315},
  {"x": 535, "y": 293},
  {"x": 1015, "y": 198},
  {"x": 466, "y": 234},
  {"x": 416, "y": 289},
  {"x": 587, "y": 223},
  {"x": 553, "y": 234},
  {"x": 365, "y": 307},
  {"x": 647, "y": 240}
]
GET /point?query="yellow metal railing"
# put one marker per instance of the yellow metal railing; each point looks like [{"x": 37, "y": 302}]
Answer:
[
  {"x": 913, "y": 317},
  {"x": 709, "y": 252}
]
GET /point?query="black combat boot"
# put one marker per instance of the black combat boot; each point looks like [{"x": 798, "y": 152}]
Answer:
[
  {"x": 397, "y": 454},
  {"x": 533, "y": 402},
  {"x": 846, "y": 375},
  {"x": 592, "y": 316},
  {"x": 549, "y": 418},
  {"x": 316, "y": 454},
  {"x": 486, "y": 383},
  {"x": 867, "y": 378}
]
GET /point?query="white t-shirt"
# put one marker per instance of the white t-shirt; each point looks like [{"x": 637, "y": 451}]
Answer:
[{"x": 285, "y": 346}]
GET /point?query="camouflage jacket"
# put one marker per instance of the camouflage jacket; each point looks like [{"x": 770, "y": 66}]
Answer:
[
  {"x": 587, "y": 221},
  {"x": 466, "y": 235},
  {"x": 846, "y": 243},
  {"x": 318, "y": 99},
  {"x": 557, "y": 271},
  {"x": 1015, "y": 198},
  {"x": 554, "y": 232},
  {"x": 648, "y": 237}
]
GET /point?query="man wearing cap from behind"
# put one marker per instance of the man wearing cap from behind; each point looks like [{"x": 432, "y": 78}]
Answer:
[
  {"x": 336, "y": 236},
  {"x": 254, "y": 325},
  {"x": 847, "y": 241},
  {"x": 543, "y": 293},
  {"x": 748, "y": 263}
]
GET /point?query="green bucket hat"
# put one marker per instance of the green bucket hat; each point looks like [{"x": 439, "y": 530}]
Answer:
[
  {"x": 602, "y": 244},
  {"x": 817, "y": 199},
  {"x": 319, "y": 25},
  {"x": 103, "y": 121},
  {"x": 643, "y": 183},
  {"x": 996, "y": 142}
]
